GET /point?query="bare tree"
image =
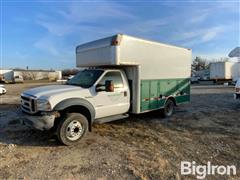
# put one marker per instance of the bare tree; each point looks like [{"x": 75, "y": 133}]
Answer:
[
  {"x": 33, "y": 75},
  {"x": 29, "y": 75},
  {"x": 199, "y": 64}
]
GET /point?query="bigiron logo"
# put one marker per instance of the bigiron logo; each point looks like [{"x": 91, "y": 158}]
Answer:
[{"x": 201, "y": 171}]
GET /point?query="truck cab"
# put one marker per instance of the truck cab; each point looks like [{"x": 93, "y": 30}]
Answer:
[
  {"x": 237, "y": 90},
  {"x": 94, "y": 93}
]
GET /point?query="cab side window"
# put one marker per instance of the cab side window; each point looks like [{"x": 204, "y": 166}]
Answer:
[{"x": 115, "y": 77}]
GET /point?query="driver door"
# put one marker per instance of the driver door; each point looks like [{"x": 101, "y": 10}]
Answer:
[{"x": 112, "y": 103}]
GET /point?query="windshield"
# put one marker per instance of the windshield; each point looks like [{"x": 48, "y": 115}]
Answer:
[{"x": 85, "y": 78}]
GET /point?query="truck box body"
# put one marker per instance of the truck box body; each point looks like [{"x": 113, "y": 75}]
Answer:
[
  {"x": 155, "y": 71},
  {"x": 236, "y": 71},
  {"x": 224, "y": 70}
]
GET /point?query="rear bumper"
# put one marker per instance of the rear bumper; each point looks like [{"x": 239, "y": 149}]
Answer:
[
  {"x": 237, "y": 96},
  {"x": 44, "y": 121}
]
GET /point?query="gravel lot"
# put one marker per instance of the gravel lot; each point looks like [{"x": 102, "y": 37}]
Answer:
[{"x": 140, "y": 147}]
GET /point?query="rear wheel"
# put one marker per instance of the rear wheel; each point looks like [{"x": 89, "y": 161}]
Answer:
[
  {"x": 72, "y": 128},
  {"x": 168, "y": 108}
]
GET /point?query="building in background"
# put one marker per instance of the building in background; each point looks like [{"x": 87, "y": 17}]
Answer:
[{"x": 9, "y": 75}]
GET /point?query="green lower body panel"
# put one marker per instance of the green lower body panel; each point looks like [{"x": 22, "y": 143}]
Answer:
[
  {"x": 154, "y": 93},
  {"x": 182, "y": 99}
]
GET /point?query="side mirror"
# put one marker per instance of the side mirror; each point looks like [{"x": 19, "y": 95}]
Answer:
[
  {"x": 100, "y": 87},
  {"x": 109, "y": 86}
]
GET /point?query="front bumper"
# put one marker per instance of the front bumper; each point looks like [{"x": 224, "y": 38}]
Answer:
[
  {"x": 43, "y": 121},
  {"x": 236, "y": 96}
]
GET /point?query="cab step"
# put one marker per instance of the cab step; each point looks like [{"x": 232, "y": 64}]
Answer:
[{"x": 111, "y": 118}]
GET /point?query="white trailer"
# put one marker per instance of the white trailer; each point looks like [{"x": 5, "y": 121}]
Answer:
[
  {"x": 122, "y": 75},
  {"x": 224, "y": 71}
]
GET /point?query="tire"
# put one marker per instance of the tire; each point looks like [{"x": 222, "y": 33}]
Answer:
[
  {"x": 72, "y": 128},
  {"x": 168, "y": 108}
]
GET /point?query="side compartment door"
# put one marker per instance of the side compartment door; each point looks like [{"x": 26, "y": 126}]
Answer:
[
  {"x": 149, "y": 95},
  {"x": 154, "y": 94}
]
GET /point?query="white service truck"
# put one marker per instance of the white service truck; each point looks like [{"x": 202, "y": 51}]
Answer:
[
  {"x": 237, "y": 90},
  {"x": 122, "y": 75}
]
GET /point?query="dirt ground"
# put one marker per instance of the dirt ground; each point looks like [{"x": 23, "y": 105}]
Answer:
[{"x": 141, "y": 147}]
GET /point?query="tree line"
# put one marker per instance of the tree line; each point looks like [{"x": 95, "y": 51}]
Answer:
[{"x": 199, "y": 63}]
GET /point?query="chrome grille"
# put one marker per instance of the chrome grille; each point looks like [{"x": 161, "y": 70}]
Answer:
[{"x": 28, "y": 104}]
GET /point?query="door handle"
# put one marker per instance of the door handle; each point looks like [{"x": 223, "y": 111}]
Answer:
[{"x": 124, "y": 93}]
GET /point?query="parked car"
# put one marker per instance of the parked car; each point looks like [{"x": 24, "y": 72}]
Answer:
[
  {"x": 194, "y": 79},
  {"x": 138, "y": 76},
  {"x": 237, "y": 90},
  {"x": 18, "y": 79},
  {"x": 2, "y": 89}
]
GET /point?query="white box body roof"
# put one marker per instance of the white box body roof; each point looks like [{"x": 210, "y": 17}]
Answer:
[{"x": 155, "y": 60}]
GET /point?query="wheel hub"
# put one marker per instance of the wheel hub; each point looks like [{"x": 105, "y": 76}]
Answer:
[{"x": 74, "y": 130}]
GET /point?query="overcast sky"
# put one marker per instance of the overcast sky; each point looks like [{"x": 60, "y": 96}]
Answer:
[{"x": 44, "y": 34}]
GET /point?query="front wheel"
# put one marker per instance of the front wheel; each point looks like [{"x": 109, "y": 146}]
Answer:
[
  {"x": 72, "y": 128},
  {"x": 168, "y": 108}
]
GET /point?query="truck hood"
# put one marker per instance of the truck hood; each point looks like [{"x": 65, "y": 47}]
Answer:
[
  {"x": 53, "y": 90},
  {"x": 58, "y": 93}
]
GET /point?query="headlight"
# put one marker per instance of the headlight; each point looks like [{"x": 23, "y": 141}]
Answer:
[{"x": 43, "y": 105}]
